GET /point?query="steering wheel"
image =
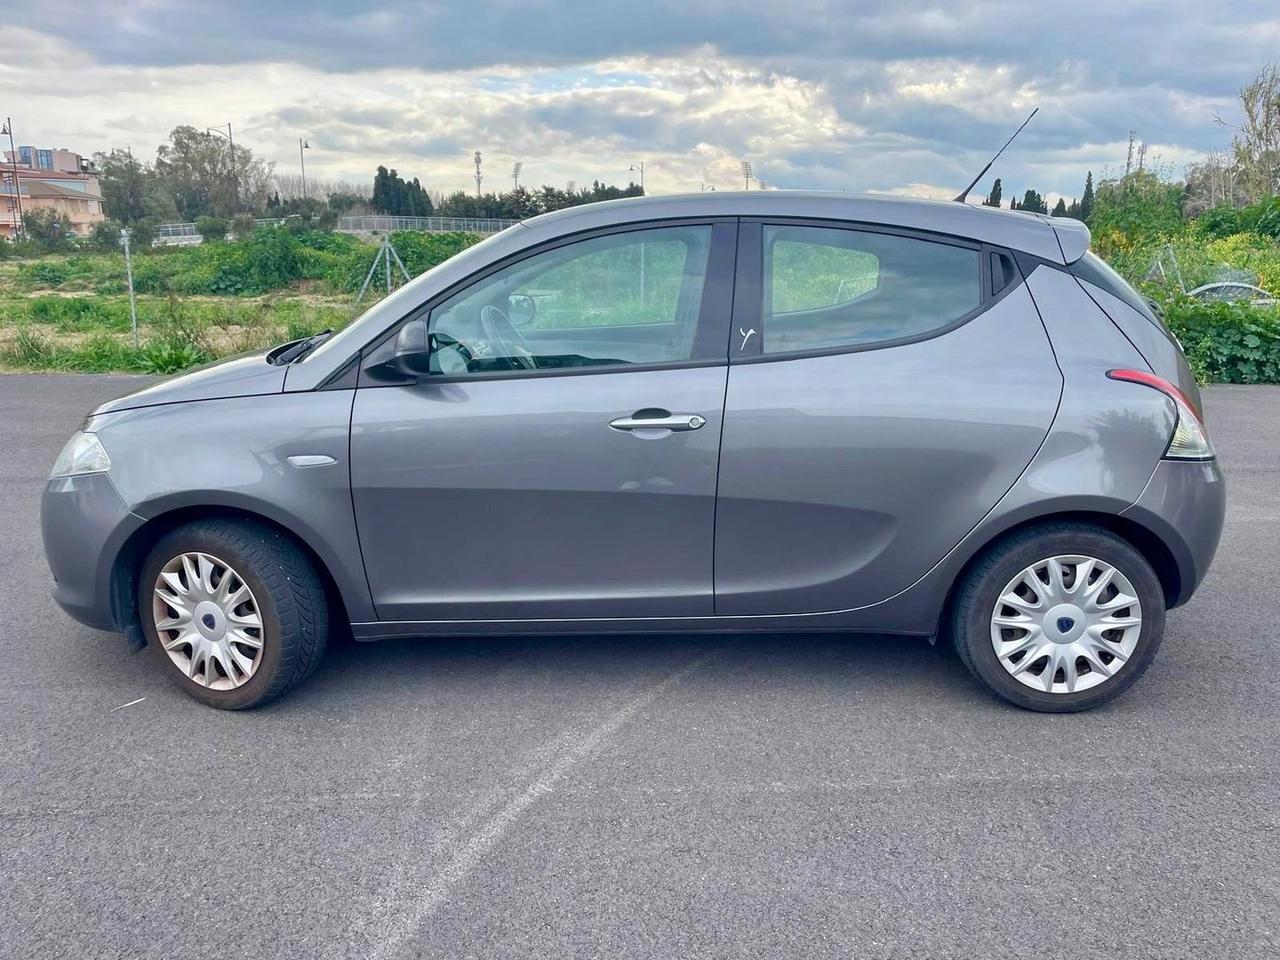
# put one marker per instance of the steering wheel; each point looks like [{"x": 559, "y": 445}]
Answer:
[{"x": 499, "y": 328}]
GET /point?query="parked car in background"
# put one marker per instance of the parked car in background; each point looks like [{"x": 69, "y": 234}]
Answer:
[{"x": 723, "y": 412}]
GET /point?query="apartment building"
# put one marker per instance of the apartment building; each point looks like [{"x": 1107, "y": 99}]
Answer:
[{"x": 37, "y": 178}]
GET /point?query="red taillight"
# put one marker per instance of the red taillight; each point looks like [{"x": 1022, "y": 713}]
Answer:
[{"x": 1148, "y": 379}]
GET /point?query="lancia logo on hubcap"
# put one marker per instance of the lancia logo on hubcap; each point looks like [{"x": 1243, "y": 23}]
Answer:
[
  {"x": 210, "y": 622},
  {"x": 1065, "y": 624}
]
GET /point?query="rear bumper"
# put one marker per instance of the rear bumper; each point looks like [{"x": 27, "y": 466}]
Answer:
[
  {"x": 84, "y": 523},
  {"x": 1184, "y": 504}
]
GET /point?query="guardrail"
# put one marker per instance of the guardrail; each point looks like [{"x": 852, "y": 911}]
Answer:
[{"x": 377, "y": 224}]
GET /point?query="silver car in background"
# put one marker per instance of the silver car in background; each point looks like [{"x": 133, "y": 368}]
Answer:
[{"x": 770, "y": 411}]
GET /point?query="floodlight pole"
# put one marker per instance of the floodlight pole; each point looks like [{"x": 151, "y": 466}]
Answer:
[{"x": 303, "y": 145}]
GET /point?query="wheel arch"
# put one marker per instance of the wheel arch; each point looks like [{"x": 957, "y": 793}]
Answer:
[
  {"x": 135, "y": 549},
  {"x": 1146, "y": 541}
]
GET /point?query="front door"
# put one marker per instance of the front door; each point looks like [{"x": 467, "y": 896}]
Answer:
[{"x": 559, "y": 462}]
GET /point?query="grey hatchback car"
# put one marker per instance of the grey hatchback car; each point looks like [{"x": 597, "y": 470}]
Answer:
[{"x": 770, "y": 411}]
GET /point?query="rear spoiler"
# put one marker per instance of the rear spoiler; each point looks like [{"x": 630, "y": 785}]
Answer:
[{"x": 1073, "y": 237}]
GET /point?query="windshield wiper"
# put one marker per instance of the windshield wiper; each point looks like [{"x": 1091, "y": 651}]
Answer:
[{"x": 302, "y": 348}]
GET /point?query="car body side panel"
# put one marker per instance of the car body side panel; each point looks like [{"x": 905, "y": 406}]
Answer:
[
  {"x": 1160, "y": 352},
  {"x": 1109, "y": 434},
  {"x": 844, "y": 478},
  {"x": 233, "y": 453}
]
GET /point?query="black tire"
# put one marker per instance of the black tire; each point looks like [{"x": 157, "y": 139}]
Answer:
[
  {"x": 982, "y": 586},
  {"x": 290, "y": 596}
]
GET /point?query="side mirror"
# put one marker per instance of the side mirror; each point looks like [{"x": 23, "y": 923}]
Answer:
[
  {"x": 521, "y": 309},
  {"x": 412, "y": 355}
]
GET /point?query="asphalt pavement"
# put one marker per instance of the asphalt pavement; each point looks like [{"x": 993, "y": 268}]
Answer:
[{"x": 618, "y": 797}]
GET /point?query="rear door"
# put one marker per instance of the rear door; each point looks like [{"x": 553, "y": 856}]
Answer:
[
  {"x": 559, "y": 462},
  {"x": 884, "y": 392}
]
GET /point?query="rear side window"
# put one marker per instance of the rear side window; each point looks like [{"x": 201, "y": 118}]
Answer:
[
  {"x": 827, "y": 288},
  {"x": 1094, "y": 269}
]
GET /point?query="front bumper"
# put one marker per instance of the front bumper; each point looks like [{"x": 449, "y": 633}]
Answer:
[
  {"x": 1184, "y": 504},
  {"x": 85, "y": 523}
]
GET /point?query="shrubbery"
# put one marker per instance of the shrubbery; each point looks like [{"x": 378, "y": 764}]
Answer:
[
  {"x": 269, "y": 259},
  {"x": 1228, "y": 342}
]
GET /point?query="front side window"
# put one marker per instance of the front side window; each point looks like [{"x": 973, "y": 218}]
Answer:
[
  {"x": 615, "y": 300},
  {"x": 829, "y": 288}
]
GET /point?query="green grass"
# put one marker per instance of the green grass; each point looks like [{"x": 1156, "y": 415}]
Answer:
[
  {"x": 70, "y": 312},
  {"x": 93, "y": 334}
]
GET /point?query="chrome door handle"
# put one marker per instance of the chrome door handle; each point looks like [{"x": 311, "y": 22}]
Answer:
[{"x": 677, "y": 421}]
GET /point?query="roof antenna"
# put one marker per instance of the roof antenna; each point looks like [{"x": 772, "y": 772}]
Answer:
[{"x": 965, "y": 192}]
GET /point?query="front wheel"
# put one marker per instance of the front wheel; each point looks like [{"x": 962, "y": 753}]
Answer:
[
  {"x": 1059, "y": 618},
  {"x": 234, "y": 611}
]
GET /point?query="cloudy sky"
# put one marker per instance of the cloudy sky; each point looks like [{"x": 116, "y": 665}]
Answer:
[{"x": 907, "y": 97}]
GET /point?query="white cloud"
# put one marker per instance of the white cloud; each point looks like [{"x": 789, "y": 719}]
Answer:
[{"x": 899, "y": 99}]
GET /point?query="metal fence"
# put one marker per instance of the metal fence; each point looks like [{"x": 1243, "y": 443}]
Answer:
[
  {"x": 372, "y": 224},
  {"x": 185, "y": 234},
  {"x": 176, "y": 235}
]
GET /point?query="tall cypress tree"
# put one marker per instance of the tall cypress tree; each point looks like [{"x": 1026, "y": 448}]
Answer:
[
  {"x": 1060, "y": 208},
  {"x": 1086, "y": 201},
  {"x": 1032, "y": 201},
  {"x": 993, "y": 198}
]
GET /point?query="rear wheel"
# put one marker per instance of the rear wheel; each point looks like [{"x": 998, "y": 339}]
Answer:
[
  {"x": 234, "y": 611},
  {"x": 1059, "y": 618}
]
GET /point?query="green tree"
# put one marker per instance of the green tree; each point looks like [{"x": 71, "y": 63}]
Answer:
[
  {"x": 395, "y": 197},
  {"x": 207, "y": 177},
  {"x": 993, "y": 198},
  {"x": 213, "y": 229},
  {"x": 1060, "y": 208},
  {"x": 1032, "y": 202},
  {"x": 1142, "y": 205},
  {"x": 48, "y": 229},
  {"x": 342, "y": 201},
  {"x": 125, "y": 185},
  {"x": 1073, "y": 210},
  {"x": 105, "y": 236},
  {"x": 1087, "y": 199}
]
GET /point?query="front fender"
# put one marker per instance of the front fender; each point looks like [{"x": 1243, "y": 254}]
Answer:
[{"x": 233, "y": 454}]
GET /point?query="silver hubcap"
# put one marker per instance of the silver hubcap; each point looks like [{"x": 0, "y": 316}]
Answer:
[
  {"x": 208, "y": 621},
  {"x": 1066, "y": 624}
]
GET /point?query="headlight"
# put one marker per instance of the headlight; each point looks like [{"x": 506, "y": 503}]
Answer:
[{"x": 82, "y": 454}]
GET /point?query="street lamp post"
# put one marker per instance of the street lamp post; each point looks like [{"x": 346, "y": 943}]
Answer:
[
  {"x": 639, "y": 167},
  {"x": 235, "y": 180},
  {"x": 17, "y": 184},
  {"x": 303, "y": 145}
]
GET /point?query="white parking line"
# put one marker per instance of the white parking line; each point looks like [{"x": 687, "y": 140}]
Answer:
[{"x": 474, "y": 847}]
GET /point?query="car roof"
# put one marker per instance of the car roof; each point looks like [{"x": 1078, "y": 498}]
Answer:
[{"x": 1057, "y": 239}]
